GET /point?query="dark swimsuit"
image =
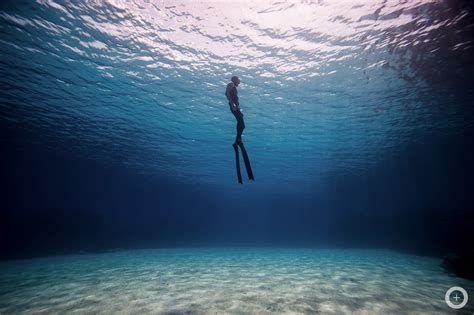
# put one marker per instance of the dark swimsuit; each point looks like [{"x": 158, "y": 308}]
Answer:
[{"x": 231, "y": 93}]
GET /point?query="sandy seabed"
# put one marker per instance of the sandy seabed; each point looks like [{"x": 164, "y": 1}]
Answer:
[{"x": 229, "y": 281}]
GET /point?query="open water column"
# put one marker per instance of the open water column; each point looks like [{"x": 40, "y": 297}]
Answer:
[{"x": 118, "y": 180}]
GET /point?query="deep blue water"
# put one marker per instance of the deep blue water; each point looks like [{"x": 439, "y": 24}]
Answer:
[{"x": 115, "y": 131}]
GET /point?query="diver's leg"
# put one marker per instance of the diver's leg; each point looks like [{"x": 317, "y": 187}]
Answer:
[{"x": 240, "y": 126}]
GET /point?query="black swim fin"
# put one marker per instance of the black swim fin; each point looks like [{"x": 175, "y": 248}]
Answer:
[
  {"x": 237, "y": 163},
  {"x": 247, "y": 162}
]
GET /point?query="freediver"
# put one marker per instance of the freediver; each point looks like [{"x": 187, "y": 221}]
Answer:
[{"x": 233, "y": 98}]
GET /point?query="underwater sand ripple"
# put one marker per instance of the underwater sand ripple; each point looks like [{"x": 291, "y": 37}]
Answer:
[{"x": 222, "y": 281}]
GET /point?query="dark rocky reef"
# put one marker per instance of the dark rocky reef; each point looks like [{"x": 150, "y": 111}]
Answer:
[{"x": 461, "y": 265}]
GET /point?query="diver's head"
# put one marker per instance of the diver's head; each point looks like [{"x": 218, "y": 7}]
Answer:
[{"x": 235, "y": 80}]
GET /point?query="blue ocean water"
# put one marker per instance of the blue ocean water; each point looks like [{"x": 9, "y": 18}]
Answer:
[
  {"x": 327, "y": 88},
  {"x": 116, "y": 134}
]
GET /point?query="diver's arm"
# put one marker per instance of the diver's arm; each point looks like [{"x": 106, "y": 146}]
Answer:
[{"x": 234, "y": 99}]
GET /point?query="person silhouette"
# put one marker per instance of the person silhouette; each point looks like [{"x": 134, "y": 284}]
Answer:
[{"x": 233, "y": 98}]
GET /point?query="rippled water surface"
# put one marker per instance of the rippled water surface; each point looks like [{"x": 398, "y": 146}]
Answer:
[{"x": 327, "y": 86}]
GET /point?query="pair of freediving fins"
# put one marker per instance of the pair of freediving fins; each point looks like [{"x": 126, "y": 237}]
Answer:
[{"x": 246, "y": 161}]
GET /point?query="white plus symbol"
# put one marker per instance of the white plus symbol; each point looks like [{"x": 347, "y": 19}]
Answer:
[
  {"x": 453, "y": 295},
  {"x": 456, "y": 297}
]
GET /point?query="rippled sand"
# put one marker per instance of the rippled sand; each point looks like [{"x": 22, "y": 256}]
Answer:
[{"x": 218, "y": 281}]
